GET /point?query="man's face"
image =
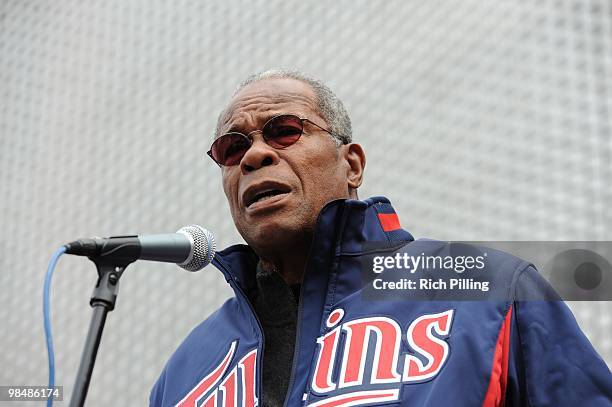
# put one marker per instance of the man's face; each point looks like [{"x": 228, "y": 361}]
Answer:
[{"x": 299, "y": 180}]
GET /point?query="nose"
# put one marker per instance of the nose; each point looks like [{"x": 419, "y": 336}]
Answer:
[{"x": 259, "y": 155}]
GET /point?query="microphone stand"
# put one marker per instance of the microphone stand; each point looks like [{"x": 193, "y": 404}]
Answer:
[{"x": 102, "y": 301}]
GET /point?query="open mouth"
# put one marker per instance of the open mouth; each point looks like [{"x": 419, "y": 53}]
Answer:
[
  {"x": 256, "y": 196},
  {"x": 264, "y": 196}
]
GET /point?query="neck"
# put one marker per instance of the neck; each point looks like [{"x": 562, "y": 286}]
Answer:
[{"x": 290, "y": 264}]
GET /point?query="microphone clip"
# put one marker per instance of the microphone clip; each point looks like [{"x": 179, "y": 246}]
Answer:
[{"x": 106, "y": 289}]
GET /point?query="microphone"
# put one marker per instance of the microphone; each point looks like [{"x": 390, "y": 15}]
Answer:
[{"x": 191, "y": 247}]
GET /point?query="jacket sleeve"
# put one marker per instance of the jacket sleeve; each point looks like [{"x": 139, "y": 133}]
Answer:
[
  {"x": 157, "y": 393},
  {"x": 551, "y": 362}
]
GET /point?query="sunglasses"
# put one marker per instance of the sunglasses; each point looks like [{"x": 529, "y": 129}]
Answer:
[{"x": 279, "y": 132}]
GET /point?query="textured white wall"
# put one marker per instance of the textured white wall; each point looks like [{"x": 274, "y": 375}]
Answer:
[{"x": 480, "y": 120}]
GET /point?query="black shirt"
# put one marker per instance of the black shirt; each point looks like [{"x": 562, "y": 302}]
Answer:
[{"x": 275, "y": 304}]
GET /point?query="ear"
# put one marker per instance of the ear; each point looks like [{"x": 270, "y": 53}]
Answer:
[{"x": 355, "y": 158}]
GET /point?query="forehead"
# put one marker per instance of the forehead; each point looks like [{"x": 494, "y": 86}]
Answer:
[{"x": 257, "y": 102}]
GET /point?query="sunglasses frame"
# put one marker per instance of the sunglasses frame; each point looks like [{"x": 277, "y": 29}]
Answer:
[{"x": 250, "y": 140}]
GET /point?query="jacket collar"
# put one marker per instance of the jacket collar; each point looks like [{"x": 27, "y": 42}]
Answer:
[{"x": 344, "y": 226}]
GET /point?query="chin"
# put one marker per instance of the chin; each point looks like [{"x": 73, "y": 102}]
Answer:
[{"x": 274, "y": 232}]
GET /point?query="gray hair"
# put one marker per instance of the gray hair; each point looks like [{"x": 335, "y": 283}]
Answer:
[{"x": 327, "y": 103}]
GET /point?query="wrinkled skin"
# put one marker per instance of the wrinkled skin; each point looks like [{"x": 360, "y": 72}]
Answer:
[{"x": 314, "y": 171}]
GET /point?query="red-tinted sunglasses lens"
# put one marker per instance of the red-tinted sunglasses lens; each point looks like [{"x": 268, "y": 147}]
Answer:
[
  {"x": 283, "y": 131},
  {"x": 230, "y": 148}
]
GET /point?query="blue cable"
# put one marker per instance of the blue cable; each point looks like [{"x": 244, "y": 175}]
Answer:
[{"x": 46, "y": 313}]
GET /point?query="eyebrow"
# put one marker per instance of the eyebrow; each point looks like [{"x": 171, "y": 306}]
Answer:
[
  {"x": 266, "y": 117},
  {"x": 288, "y": 97}
]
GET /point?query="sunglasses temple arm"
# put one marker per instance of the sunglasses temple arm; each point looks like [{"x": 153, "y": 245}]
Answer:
[{"x": 325, "y": 130}]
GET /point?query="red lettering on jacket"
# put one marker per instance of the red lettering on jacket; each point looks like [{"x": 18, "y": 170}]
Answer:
[
  {"x": 434, "y": 349},
  {"x": 217, "y": 390},
  {"x": 426, "y": 337}
]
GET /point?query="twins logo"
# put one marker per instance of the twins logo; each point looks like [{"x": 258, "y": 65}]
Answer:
[
  {"x": 211, "y": 391},
  {"x": 425, "y": 336},
  {"x": 349, "y": 371}
]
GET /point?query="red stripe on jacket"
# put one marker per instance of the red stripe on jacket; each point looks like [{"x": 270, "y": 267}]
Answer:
[{"x": 496, "y": 394}]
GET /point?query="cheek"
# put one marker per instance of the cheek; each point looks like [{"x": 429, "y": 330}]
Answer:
[
  {"x": 229, "y": 187},
  {"x": 324, "y": 175}
]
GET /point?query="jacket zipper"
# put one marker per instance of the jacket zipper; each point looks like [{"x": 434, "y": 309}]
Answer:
[
  {"x": 299, "y": 315},
  {"x": 260, "y": 349},
  {"x": 297, "y": 346}
]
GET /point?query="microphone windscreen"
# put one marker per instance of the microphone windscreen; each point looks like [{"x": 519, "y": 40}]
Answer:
[{"x": 203, "y": 247}]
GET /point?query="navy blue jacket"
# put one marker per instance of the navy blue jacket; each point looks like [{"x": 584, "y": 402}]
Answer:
[{"x": 354, "y": 350}]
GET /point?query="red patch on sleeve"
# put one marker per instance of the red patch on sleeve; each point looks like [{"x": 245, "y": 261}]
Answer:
[{"x": 389, "y": 221}]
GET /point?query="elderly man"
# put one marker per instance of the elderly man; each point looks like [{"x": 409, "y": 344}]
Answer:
[{"x": 299, "y": 330}]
